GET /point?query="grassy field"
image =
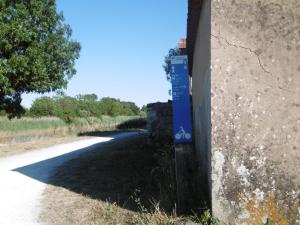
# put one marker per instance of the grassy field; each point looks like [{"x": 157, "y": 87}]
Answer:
[
  {"x": 27, "y": 129},
  {"x": 18, "y": 135},
  {"x": 27, "y": 123},
  {"x": 126, "y": 183}
]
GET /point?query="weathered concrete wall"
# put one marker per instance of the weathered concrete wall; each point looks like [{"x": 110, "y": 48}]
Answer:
[
  {"x": 160, "y": 122},
  {"x": 255, "y": 99},
  {"x": 202, "y": 103}
]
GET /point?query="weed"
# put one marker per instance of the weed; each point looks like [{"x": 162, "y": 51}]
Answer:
[
  {"x": 206, "y": 218},
  {"x": 128, "y": 182}
]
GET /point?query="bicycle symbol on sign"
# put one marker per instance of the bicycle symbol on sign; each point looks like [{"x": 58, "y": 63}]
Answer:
[{"x": 182, "y": 134}]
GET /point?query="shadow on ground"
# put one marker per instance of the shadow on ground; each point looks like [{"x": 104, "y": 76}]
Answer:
[
  {"x": 107, "y": 133},
  {"x": 124, "y": 171}
]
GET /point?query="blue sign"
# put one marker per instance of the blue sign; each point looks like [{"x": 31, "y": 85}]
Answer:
[{"x": 182, "y": 119}]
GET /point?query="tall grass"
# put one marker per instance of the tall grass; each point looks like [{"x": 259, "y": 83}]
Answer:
[
  {"x": 27, "y": 129},
  {"x": 27, "y": 123}
]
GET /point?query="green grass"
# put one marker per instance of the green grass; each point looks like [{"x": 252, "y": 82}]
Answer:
[
  {"x": 43, "y": 123},
  {"x": 29, "y": 129},
  {"x": 27, "y": 123}
]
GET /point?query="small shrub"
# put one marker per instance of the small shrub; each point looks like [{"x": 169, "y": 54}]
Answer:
[{"x": 206, "y": 218}]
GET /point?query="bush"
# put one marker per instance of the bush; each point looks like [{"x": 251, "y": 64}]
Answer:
[
  {"x": 67, "y": 108},
  {"x": 2, "y": 113},
  {"x": 44, "y": 106}
]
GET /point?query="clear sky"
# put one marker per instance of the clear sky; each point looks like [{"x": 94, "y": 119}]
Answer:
[{"x": 123, "y": 46}]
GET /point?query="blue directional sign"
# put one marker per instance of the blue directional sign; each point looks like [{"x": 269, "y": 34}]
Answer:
[{"x": 182, "y": 119}]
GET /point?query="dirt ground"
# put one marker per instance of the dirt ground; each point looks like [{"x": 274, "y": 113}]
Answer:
[
  {"x": 16, "y": 148},
  {"x": 120, "y": 185}
]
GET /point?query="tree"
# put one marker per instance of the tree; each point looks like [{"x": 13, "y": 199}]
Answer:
[
  {"x": 36, "y": 51},
  {"x": 115, "y": 107},
  {"x": 130, "y": 108},
  {"x": 111, "y": 106},
  {"x": 67, "y": 108},
  {"x": 167, "y": 62},
  {"x": 88, "y": 105},
  {"x": 87, "y": 97},
  {"x": 144, "y": 108},
  {"x": 44, "y": 106}
]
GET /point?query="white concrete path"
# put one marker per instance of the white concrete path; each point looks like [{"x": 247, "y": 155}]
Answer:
[{"x": 23, "y": 177}]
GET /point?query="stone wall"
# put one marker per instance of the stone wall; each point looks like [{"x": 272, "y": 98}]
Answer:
[
  {"x": 255, "y": 98},
  {"x": 160, "y": 122},
  {"x": 246, "y": 82}
]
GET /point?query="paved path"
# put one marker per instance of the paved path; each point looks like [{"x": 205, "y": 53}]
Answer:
[{"x": 23, "y": 177}]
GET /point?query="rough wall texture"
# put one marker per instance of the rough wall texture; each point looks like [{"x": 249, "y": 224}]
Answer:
[
  {"x": 160, "y": 122},
  {"x": 201, "y": 102},
  {"x": 255, "y": 98}
]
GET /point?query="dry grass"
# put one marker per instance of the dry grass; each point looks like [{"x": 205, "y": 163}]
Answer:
[
  {"x": 128, "y": 182},
  {"x": 16, "y": 148},
  {"x": 117, "y": 186},
  {"x": 43, "y": 123},
  {"x": 66, "y": 207},
  {"x": 19, "y": 135}
]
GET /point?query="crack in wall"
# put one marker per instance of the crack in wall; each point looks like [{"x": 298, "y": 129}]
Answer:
[
  {"x": 257, "y": 56},
  {"x": 245, "y": 48}
]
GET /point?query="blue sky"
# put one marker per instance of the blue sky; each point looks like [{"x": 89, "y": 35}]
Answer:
[{"x": 123, "y": 46}]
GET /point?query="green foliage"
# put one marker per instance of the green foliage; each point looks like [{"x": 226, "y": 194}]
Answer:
[
  {"x": 67, "y": 108},
  {"x": 24, "y": 124},
  {"x": 87, "y": 97},
  {"x": 110, "y": 106},
  {"x": 44, "y": 106},
  {"x": 36, "y": 51},
  {"x": 2, "y": 113},
  {"x": 84, "y": 106},
  {"x": 115, "y": 107},
  {"x": 129, "y": 108},
  {"x": 206, "y": 218},
  {"x": 144, "y": 108},
  {"x": 44, "y": 123},
  {"x": 167, "y": 61}
]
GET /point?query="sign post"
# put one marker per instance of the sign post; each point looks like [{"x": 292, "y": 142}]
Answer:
[
  {"x": 182, "y": 121},
  {"x": 182, "y": 126}
]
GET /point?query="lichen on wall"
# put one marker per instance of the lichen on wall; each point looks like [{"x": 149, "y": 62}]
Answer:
[{"x": 255, "y": 94}]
